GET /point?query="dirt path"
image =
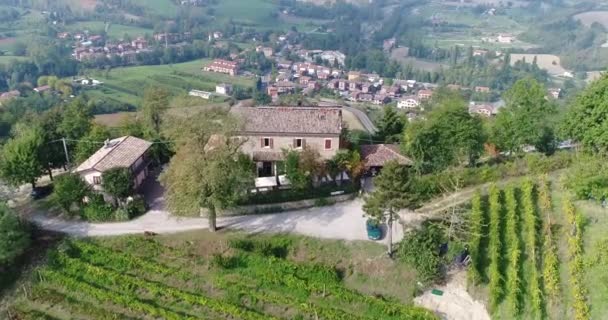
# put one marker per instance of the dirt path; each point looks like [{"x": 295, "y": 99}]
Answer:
[{"x": 455, "y": 303}]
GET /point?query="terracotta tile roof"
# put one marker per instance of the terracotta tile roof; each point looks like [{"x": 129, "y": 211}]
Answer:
[
  {"x": 118, "y": 153},
  {"x": 377, "y": 155},
  {"x": 291, "y": 120}
]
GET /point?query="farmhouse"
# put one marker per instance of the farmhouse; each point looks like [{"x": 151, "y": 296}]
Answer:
[
  {"x": 270, "y": 130},
  {"x": 505, "y": 38},
  {"x": 223, "y": 66},
  {"x": 125, "y": 152}
]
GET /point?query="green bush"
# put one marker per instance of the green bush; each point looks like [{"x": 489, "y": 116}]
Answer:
[
  {"x": 121, "y": 215},
  {"x": 420, "y": 248},
  {"x": 14, "y": 238},
  {"x": 426, "y": 187},
  {"x": 279, "y": 196},
  {"x": 97, "y": 212},
  {"x": 588, "y": 179},
  {"x": 136, "y": 208}
]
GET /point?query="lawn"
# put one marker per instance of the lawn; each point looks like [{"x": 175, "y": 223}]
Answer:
[
  {"x": 126, "y": 84},
  {"x": 218, "y": 276},
  {"x": 9, "y": 59},
  {"x": 116, "y": 31},
  {"x": 250, "y": 12}
]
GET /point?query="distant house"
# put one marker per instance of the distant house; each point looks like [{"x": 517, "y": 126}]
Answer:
[
  {"x": 267, "y": 51},
  {"x": 343, "y": 85},
  {"x": 354, "y": 76},
  {"x": 224, "y": 89},
  {"x": 125, "y": 152},
  {"x": 380, "y": 99},
  {"x": 454, "y": 87},
  {"x": 505, "y": 38},
  {"x": 223, "y": 66},
  {"x": 201, "y": 94},
  {"x": 139, "y": 43},
  {"x": 480, "y": 53},
  {"x": 409, "y": 102},
  {"x": 425, "y": 94},
  {"x": 482, "y": 89},
  {"x": 484, "y": 110},
  {"x": 353, "y": 85},
  {"x": 270, "y": 130},
  {"x": 555, "y": 93},
  {"x": 42, "y": 89},
  {"x": 389, "y": 44},
  {"x": 284, "y": 64}
]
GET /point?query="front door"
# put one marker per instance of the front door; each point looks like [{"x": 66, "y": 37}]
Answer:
[{"x": 266, "y": 169}]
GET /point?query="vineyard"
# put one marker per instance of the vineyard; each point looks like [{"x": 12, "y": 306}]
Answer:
[
  {"x": 144, "y": 278},
  {"x": 515, "y": 255}
]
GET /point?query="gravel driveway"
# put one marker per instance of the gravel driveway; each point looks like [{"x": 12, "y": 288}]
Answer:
[{"x": 340, "y": 221}]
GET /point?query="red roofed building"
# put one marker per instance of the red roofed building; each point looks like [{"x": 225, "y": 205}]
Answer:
[{"x": 223, "y": 66}]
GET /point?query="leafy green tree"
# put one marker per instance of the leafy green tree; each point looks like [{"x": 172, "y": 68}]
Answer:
[
  {"x": 526, "y": 119},
  {"x": 14, "y": 238},
  {"x": 69, "y": 189},
  {"x": 297, "y": 177},
  {"x": 587, "y": 119},
  {"x": 118, "y": 183},
  {"x": 91, "y": 142},
  {"x": 420, "y": 248},
  {"x": 154, "y": 106},
  {"x": 20, "y": 160},
  {"x": 52, "y": 153},
  {"x": 391, "y": 194},
  {"x": 391, "y": 126},
  {"x": 261, "y": 98},
  {"x": 207, "y": 171},
  {"x": 449, "y": 136},
  {"x": 76, "y": 121}
]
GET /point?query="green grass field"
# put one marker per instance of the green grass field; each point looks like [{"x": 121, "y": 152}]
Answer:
[
  {"x": 116, "y": 31},
  {"x": 9, "y": 59},
  {"x": 126, "y": 84},
  {"x": 200, "y": 275},
  {"x": 255, "y": 12}
]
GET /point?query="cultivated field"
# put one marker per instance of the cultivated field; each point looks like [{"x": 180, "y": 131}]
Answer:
[
  {"x": 549, "y": 62},
  {"x": 218, "y": 276},
  {"x": 588, "y": 18},
  {"x": 126, "y": 84},
  {"x": 531, "y": 241},
  {"x": 115, "y": 31}
]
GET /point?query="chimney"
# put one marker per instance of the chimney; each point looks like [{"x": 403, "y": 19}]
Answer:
[{"x": 106, "y": 143}]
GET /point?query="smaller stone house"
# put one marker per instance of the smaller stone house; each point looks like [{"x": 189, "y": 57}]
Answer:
[{"x": 124, "y": 152}]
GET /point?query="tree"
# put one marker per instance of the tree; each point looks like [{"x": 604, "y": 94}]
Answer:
[
  {"x": 526, "y": 119},
  {"x": 118, "y": 183},
  {"x": 76, "y": 121},
  {"x": 390, "y": 196},
  {"x": 69, "y": 189},
  {"x": 449, "y": 136},
  {"x": 14, "y": 238},
  {"x": 207, "y": 171},
  {"x": 155, "y": 103},
  {"x": 52, "y": 153},
  {"x": 20, "y": 160},
  {"x": 391, "y": 126},
  {"x": 91, "y": 142},
  {"x": 587, "y": 118}
]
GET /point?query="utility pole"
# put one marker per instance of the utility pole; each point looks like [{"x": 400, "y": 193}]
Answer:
[{"x": 65, "y": 149}]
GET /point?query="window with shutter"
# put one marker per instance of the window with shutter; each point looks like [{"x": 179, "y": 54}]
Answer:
[
  {"x": 327, "y": 144},
  {"x": 298, "y": 143},
  {"x": 266, "y": 143}
]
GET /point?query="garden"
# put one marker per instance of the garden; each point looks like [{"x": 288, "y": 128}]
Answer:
[{"x": 216, "y": 276}]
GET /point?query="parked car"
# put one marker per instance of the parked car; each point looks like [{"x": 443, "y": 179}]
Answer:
[
  {"x": 41, "y": 192},
  {"x": 373, "y": 230}
]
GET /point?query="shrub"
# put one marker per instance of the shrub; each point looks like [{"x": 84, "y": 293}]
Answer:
[
  {"x": 136, "y": 208},
  {"x": 420, "y": 248},
  {"x": 121, "y": 215},
  {"x": 279, "y": 196},
  {"x": 97, "y": 209},
  {"x": 14, "y": 238}
]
